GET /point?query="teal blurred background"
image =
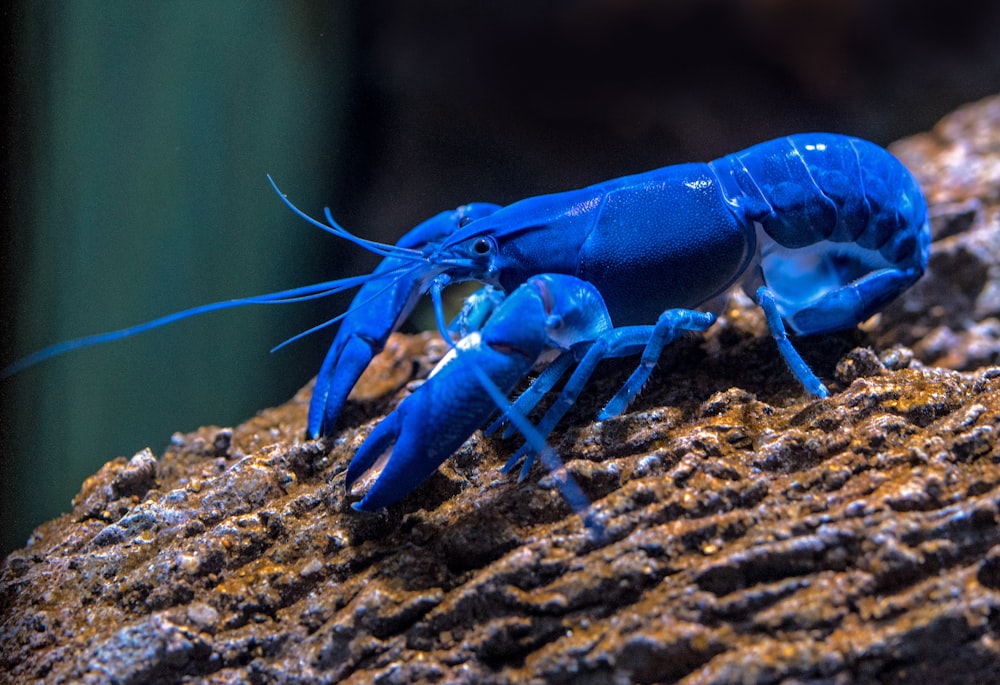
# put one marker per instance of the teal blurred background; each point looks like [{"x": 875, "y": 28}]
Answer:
[
  {"x": 137, "y": 187},
  {"x": 138, "y": 136}
]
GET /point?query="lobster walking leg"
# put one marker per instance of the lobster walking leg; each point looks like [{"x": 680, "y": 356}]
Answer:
[
  {"x": 617, "y": 342},
  {"x": 798, "y": 366},
  {"x": 670, "y": 324}
]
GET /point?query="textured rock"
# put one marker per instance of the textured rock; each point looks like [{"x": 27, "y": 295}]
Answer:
[{"x": 754, "y": 535}]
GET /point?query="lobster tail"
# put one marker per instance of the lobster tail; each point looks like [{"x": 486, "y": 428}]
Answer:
[{"x": 812, "y": 188}]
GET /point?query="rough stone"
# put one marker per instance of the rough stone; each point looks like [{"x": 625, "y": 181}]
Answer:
[{"x": 754, "y": 535}]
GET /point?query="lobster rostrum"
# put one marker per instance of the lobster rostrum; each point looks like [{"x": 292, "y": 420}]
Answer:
[{"x": 822, "y": 230}]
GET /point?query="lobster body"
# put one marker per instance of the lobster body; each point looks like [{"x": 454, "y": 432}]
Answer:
[
  {"x": 667, "y": 228},
  {"x": 829, "y": 209}
]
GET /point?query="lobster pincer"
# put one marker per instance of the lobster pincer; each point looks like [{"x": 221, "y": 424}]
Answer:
[{"x": 550, "y": 311}]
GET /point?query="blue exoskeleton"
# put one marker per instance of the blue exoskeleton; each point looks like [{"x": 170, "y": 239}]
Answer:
[{"x": 822, "y": 230}]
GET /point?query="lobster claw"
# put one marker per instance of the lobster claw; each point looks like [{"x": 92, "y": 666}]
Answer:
[
  {"x": 431, "y": 424},
  {"x": 549, "y": 311},
  {"x": 378, "y": 308}
]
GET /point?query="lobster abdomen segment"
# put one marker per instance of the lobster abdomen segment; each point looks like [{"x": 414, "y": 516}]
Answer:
[{"x": 810, "y": 188}]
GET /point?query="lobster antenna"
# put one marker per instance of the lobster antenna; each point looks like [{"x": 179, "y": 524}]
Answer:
[
  {"x": 299, "y": 294},
  {"x": 399, "y": 273},
  {"x": 383, "y": 249}
]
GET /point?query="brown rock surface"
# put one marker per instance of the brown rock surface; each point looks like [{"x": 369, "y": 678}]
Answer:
[{"x": 754, "y": 535}]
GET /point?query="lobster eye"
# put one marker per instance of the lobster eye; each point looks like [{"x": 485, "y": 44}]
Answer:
[
  {"x": 482, "y": 247},
  {"x": 464, "y": 221}
]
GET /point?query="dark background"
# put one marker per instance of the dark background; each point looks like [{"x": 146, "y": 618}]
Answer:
[{"x": 138, "y": 136}]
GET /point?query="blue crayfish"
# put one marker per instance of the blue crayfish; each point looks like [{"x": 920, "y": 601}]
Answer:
[{"x": 823, "y": 231}]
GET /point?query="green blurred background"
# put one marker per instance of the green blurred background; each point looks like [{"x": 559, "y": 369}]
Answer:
[{"x": 138, "y": 136}]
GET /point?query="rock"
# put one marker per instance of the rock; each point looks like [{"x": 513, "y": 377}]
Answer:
[{"x": 753, "y": 535}]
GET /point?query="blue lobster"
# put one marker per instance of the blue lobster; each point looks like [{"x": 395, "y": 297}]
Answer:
[{"x": 823, "y": 230}]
